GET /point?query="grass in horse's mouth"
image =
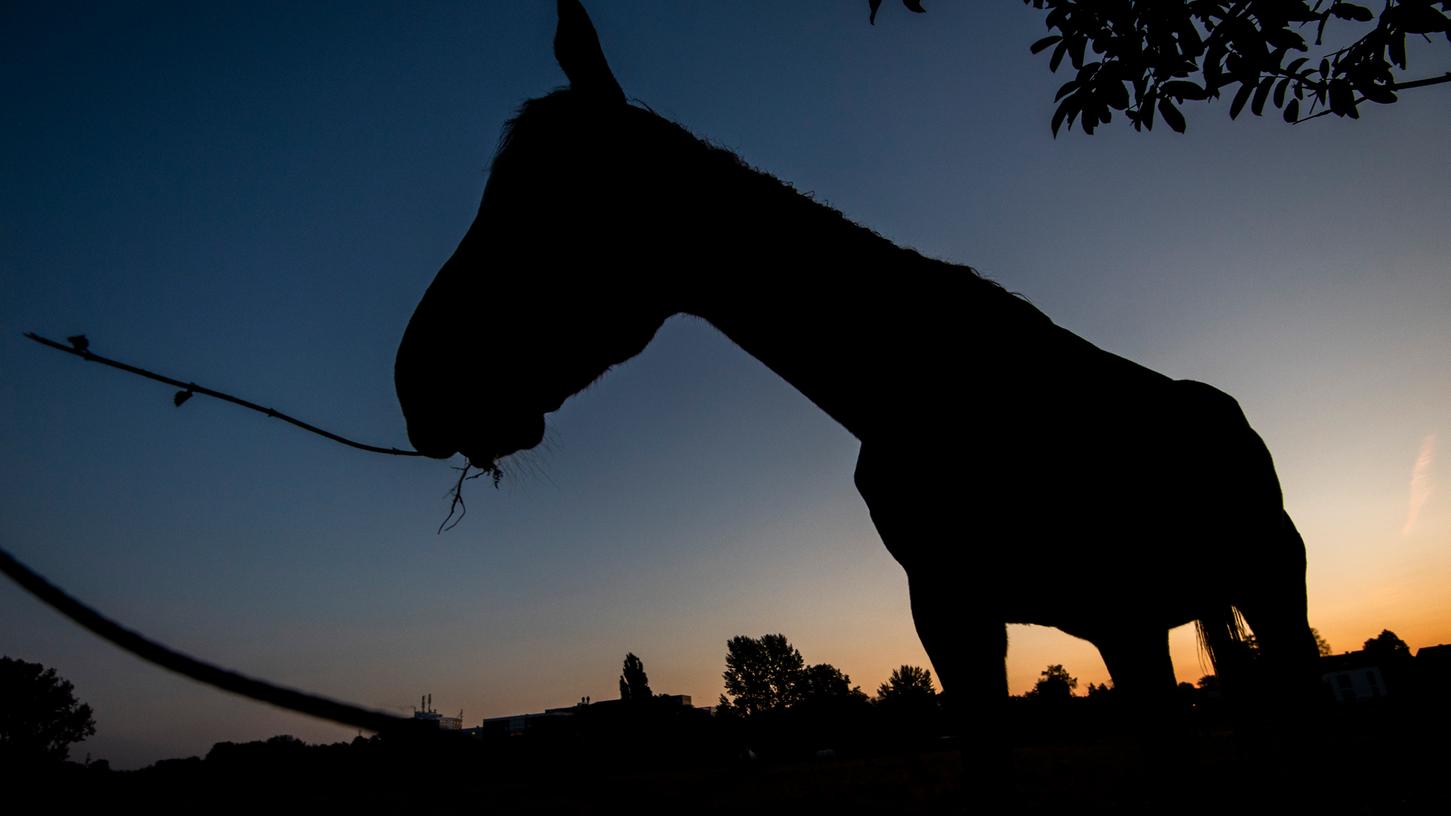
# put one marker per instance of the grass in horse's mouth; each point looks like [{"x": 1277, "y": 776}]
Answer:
[{"x": 456, "y": 496}]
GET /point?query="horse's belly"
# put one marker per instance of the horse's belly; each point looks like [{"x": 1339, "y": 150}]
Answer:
[
  {"x": 1135, "y": 509},
  {"x": 1074, "y": 575}
]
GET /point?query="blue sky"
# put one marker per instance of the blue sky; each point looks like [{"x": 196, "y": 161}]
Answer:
[{"x": 255, "y": 196}]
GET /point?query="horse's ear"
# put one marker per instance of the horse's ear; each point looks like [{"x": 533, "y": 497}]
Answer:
[{"x": 577, "y": 50}]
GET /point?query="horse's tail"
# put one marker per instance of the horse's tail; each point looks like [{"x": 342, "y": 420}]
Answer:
[{"x": 1224, "y": 637}]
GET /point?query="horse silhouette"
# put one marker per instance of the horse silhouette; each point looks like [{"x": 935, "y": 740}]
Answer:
[{"x": 1018, "y": 473}]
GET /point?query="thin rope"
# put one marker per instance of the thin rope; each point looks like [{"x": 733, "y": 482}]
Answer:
[{"x": 80, "y": 347}]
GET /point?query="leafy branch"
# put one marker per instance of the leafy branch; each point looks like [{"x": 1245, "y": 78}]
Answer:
[
  {"x": 1149, "y": 57},
  {"x": 1143, "y": 58}
]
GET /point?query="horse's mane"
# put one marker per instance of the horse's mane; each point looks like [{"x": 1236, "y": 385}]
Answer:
[{"x": 562, "y": 110}]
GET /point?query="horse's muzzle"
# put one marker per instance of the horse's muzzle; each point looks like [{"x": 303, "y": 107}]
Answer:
[{"x": 496, "y": 439}]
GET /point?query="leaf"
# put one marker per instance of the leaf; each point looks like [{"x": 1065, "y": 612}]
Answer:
[
  {"x": 1075, "y": 50},
  {"x": 1067, "y": 109},
  {"x": 1183, "y": 89},
  {"x": 914, "y": 6},
  {"x": 1057, "y": 58},
  {"x": 1280, "y": 88},
  {"x": 1257, "y": 107},
  {"x": 1350, "y": 11},
  {"x": 1342, "y": 100},
  {"x": 1042, "y": 44},
  {"x": 1117, "y": 95},
  {"x": 1422, "y": 20},
  {"x": 1292, "y": 111},
  {"x": 875, "y": 5},
  {"x": 1379, "y": 94},
  {"x": 180, "y": 397},
  {"x": 1398, "y": 50},
  {"x": 1240, "y": 97},
  {"x": 1213, "y": 65},
  {"x": 1172, "y": 117},
  {"x": 1284, "y": 38}
]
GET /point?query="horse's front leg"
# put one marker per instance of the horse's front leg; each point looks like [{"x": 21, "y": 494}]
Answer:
[
  {"x": 965, "y": 638},
  {"x": 968, "y": 648}
]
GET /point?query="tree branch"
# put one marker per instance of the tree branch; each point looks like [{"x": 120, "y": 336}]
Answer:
[
  {"x": 1420, "y": 83},
  {"x": 1415, "y": 83},
  {"x": 81, "y": 349}
]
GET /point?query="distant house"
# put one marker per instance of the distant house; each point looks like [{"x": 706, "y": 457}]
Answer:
[
  {"x": 515, "y": 725},
  {"x": 1353, "y": 677},
  {"x": 1434, "y": 658},
  {"x": 1433, "y": 669}
]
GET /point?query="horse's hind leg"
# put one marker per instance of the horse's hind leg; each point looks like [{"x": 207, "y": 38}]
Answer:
[
  {"x": 1274, "y": 605},
  {"x": 1280, "y": 715}
]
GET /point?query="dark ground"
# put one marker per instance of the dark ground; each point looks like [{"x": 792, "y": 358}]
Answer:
[{"x": 1366, "y": 761}]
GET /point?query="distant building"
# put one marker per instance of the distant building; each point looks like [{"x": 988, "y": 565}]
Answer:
[
  {"x": 515, "y": 725},
  {"x": 1353, "y": 677},
  {"x": 426, "y": 713},
  {"x": 1434, "y": 658},
  {"x": 681, "y": 700},
  {"x": 1433, "y": 670}
]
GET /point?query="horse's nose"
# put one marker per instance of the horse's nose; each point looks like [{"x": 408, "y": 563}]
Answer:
[{"x": 501, "y": 438}]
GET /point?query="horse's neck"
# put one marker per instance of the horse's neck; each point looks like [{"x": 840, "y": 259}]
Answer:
[{"x": 856, "y": 323}]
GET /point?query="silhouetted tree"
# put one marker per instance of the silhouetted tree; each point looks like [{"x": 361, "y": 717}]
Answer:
[
  {"x": 824, "y": 682},
  {"x": 1141, "y": 56},
  {"x": 762, "y": 674},
  {"x": 1393, "y": 657},
  {"x": 634, "y": 684},
  {"x": 1388, "y": 647},
  {"x": 908, "y": 706},
  {"x": 39, "y": 715},
  {"x": 908, "y": 685},
  {"x": 1054, "y": 684}
]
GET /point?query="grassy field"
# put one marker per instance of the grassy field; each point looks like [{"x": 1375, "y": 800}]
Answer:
[{"x": 1364, "y": 762}]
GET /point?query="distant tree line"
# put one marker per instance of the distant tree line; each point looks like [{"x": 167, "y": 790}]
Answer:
[
  {"x": 776, "y": 707},
  {"x": 777, "y": 704}
]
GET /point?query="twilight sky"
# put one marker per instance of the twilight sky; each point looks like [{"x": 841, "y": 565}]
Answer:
[{"x": 255, "y": 195}]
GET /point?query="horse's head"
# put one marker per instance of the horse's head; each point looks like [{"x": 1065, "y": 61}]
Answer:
[{"x": 549, "y": 287}]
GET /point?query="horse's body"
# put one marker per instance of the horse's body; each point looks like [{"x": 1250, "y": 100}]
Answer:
[{"x": 1017, "y": 472}]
